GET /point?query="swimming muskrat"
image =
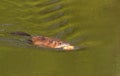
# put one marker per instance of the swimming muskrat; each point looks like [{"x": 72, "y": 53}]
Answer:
[{"x": 42, "y": 41}]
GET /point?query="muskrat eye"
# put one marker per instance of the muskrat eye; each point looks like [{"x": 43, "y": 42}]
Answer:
[{"x": 60, "y": 43}]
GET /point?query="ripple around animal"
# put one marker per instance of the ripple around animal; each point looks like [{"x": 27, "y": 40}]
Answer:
[{"x": 93, "y": 23}]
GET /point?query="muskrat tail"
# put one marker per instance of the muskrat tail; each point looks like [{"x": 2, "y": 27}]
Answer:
[{"x": 19, "y": 33}]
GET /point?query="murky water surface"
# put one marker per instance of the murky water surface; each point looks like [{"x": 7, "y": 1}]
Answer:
[{"x": 90, "y": 24}]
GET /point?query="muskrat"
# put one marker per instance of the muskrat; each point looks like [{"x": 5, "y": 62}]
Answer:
[{"x": 43, "y": 41}]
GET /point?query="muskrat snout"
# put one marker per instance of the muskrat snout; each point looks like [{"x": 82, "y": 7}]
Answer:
[
  {"x": 69, "y": 47},
  {"x": 62, "y": 45}
]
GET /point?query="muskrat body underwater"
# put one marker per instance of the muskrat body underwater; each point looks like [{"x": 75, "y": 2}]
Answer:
[{"x": 43, "y": 41}]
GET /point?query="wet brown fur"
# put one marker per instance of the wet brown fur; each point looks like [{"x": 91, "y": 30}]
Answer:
[
  {"x": 40, "y": 40},
  {"x": 46, "y": 41}
]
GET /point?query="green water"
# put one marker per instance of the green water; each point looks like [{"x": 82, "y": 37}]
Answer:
[{"x": 92, "y": 24}]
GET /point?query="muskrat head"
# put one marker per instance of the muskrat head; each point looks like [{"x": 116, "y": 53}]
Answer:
[
  {"x": 61, "y": 45},
  {"x": 65, "y": 46}
]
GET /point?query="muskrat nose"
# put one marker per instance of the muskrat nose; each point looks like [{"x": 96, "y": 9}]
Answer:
[{"x": 69, "y": 47}]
